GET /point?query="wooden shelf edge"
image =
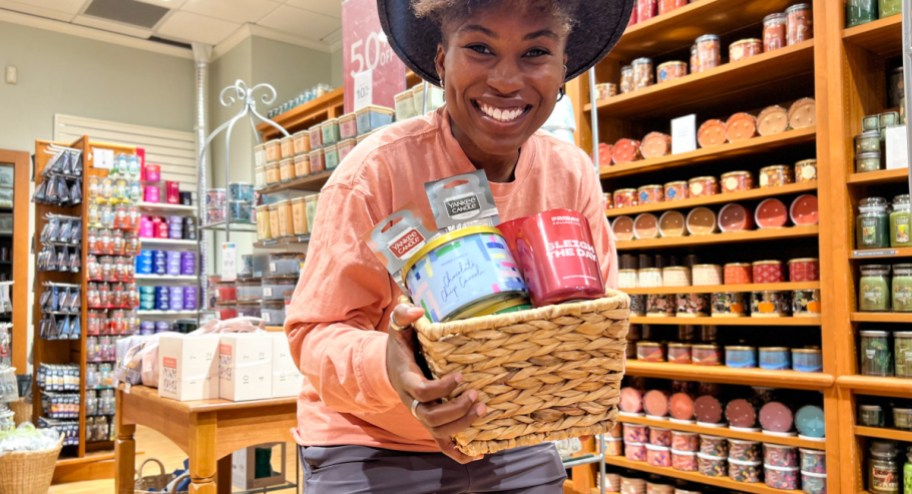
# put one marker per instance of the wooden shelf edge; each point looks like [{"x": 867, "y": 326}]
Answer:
[
  {"x": 312, "y": 183},
  {"x": 727, "y": 375},
  {"x": 877, "y": 35},
  {"x": 883, "y": 433},
  {"x": 719, "y": 238},
  {"x": 725, "y": 432},
  {"x": 896, "y": 387},
  {"x": 724, "y": 482},
  {"x": 714, "y": 199},
  {"x": 878, "y": 177},
  {"x": 760, "y": 143},
  {"x": 757, "y": 287},
  {"x": 727, "y": 321},
  {"x": 88, "y": 458},
  {"x": 888, "y": 317}
]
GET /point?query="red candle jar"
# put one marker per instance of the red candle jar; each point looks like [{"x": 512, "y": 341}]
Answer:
[
  {"x": 646, "y": 9},
  {"x": 510, "y": 232},
  {"x": 804, "y": 269},
  {"x": 650, "y": 194},
  {"x": 737, "y": 182},
  {"x": 771, "y": 213},
  {"x": 734, "y": 218},
  {"x": 768, "y": 272},
  {"x": 737, "y": 273},
  {"x": 152, "y": 173},
  {"x": 559, "y": 259},
  {"x": 803, "y": 210},
  {"x": 172, "y": 192},
  {"x": 666, "y": 6},
  {"x": 161, "y": 228},
  {"x": 625, "y": 198},
  {"x": 675, "y": 191},
  {"x": 703, "y": 186}
]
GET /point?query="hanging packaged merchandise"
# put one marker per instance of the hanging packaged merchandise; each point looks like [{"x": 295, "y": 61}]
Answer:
[{"x": 462, "y": 201}]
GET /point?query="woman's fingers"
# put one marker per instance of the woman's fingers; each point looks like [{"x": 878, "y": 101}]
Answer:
[
  {"x": 441, "y": 414},
  {"x": 448, "y": 448}
]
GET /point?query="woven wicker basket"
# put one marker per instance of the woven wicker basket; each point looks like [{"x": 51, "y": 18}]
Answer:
[
  {"x": 544, "y": 374},
  {"x": 154, "y": 484},
  {"x": 28, "y": 472},
  {"x": 22, "y": 409}
]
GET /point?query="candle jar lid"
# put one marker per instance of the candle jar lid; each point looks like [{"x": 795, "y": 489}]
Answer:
[
  {"x": 774, "y": 349},
  {"x": 875, "y": 270},
  {"x": 642, "y": 61},
  {"x": 872, "y": 204},
  {"x": 902, "y": 202},
  {"x": 874, "y": 333},
  {"x": 871, "y": 408},
  {"x": 803, "y": 259},
  {"x": 902, "y": 334},
  {"x": 775, "y": 16},
  {"x": 902, "y": 269},
  {"x": 707, "y": 37}
]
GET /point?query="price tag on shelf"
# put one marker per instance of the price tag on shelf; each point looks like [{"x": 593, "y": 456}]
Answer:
[
  {"x": 363, "y": 89},
  {"x": 103, "y": 159},
  {"x": 228, "y": 261},
  {"x": 684, "y": 134}
]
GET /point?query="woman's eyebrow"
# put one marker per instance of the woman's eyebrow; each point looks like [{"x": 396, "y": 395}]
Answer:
[{"x": 546, "y": 33}]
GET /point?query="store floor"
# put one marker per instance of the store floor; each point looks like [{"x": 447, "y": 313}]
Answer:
[{"x": 151, "y": 444}]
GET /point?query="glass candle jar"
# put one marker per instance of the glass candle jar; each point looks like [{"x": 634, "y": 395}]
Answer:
[
  {"x": 626, "y": 79},
  {"x": 901, "y": 221},
  {"x": 883, "y": 470},
  {"x": 886, "y": 8},
  {"x": 873, "y": 288},
  {"x": 775, "y": 29},
  {"x": 876, "y": 355},
  {"x": 871, "y": 231},
  {"x": 902, "y": 288},
  {"x": 799, "y": 23},
  {"x": 709, "y": 51},
  {"x": 902, "y": 353},
  {"x": 869, "y": 141},
  {"x": 868, "y": 162},
  {"x": 860, "y": 11},
  {"x": 871, "y": 416}
]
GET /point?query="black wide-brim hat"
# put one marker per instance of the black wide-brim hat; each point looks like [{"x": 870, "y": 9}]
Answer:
[{"x": 598, "y": 25}]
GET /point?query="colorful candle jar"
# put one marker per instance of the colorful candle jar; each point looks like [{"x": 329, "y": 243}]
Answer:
[
  {"x": 737, "y": 273},
  {"x": 744, "y": 48},
  {"x": 774, "y": 358},
  {"x": 559, "y": 259},
  {"x": 876, "y": 355},
  {"x": 729, "y": 304},
  {"x": 775, "y": 31},
  {"x": 676, "y": 276},
  {"x": 622, "y": 226},
  {"x": 693, "y": 305},
  {"x": 775, "y": 176},
  {"x": 779, "y": 455},
  {"x": 804, "y": 269},
  {"x": 675, "y": 191},
  {"x": 807, "y": 359},
  {"x": 740, "y": 357},
  {"x": 768, "y": 271},
  {"x": 873, "y": 288},
  {"x": 624, "y": 198},
  {"x": 672, "y": 224},
  {"x": 645, "y": 226},
  {"x": 660, "y": 305},
  {"x": 799, "y": 23},
  {"x": 737, "y": 181},
  {"x": 679, "y": 353},
  {"x": 706, "y": 355},
  {"x": 684, "y": 461},
  {"x": 650, "y": 194},
  {"x": 650, "y": 351},
  {"x": 712, "y": 466},
  {"x": 803, "y": 211},
  {"x": 771, "y": 213},
  {"x": 438, "y": 281},
  {"x": 668, "y": 71},
  {"x": 735, "y": 218},
  {"x": 706, "y": 274},
  {"x": 901, "y": 222},
  {"x": 902, "y": 353},
  {"x": 702, "y": 186},
  {"x": 770, "y": 304},
  {"x": 701, "y": 221},
  {"x": 806, "y": 171},
  {"x": 806, "y": 303},
  {"x": 658, "y": 456},
  {"x": 785, "y": 478}
]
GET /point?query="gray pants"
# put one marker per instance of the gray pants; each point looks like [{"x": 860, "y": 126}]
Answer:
[{"x": 360, "y": 469}]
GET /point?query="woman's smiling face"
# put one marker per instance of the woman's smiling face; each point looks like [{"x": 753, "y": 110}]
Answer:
[{"x": 502, "y": 70}]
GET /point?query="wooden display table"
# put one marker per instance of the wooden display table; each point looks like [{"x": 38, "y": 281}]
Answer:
[{"x": 208, "y": 431}]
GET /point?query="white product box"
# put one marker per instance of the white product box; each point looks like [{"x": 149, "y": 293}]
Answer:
[
  {"x": 286, "y": 378},
  {"x": 897, "y": 147},
  {"x": 188, "y": 366},
  {"x": 245, "y": 366}
]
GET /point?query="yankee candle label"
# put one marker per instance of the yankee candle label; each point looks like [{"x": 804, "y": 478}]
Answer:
[
  {"x": 571, "y": 248},
  {"x": 404, "y": 245},
  {"x": 463, "y": 206}
]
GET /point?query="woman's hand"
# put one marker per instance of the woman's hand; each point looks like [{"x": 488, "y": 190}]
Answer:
[{"x": 423, "y": 396}]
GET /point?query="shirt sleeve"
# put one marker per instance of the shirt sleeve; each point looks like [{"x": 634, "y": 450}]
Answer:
[
  {"x": 593, "y": 201},
  {"x": 338, "y": 307}
]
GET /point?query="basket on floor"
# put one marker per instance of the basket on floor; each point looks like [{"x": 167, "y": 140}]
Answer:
[
  {"x": 155, "y": 484},
  {"x": 28, "y": 472},
  {"x": 544, "y": 374}
]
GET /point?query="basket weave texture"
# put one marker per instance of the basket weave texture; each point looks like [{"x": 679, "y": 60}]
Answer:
[
  {"x": 154, "y": 484},
  {"x": 544, "y": 374},
  {"x": 22, "y": 410},
  {"x": 28, "y": 472}
]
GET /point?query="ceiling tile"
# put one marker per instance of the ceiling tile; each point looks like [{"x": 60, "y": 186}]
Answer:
[
  {"x": 187, "y": 26},
  {"x": 239, "y": 11},
  {"x": 114, "y": 27},
  {"x": 301, "y": 23},
  {"x": 168, "y": 4},
  {"x": 332, "y": 8},
  {"x": 61, "y": 10}
]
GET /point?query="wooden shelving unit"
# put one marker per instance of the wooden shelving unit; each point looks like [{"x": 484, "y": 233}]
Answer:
[
  {"x": 721, "y": 238},
  {"x": 892, "y": 253},
  {"x": 898, "y": 175},
  {"x": 312, "y": 183},
  {"x": 726, "y": 375},
  {"x": 693, "y": 202},
  {"x": 723, "y": 152},
  {"x": 311, "y": 113},
  {"x": 724, "y": 432},
  {"x": 882, "y": 37},
  {"x": 881, "y": 317},
  {"x": 756, "y": 287},
  {"x": 20, "y": 243},
  {"x": 895, "y": 387},
  {"x": 723, "y": 482},
  {"x": 777, "y": 77}
]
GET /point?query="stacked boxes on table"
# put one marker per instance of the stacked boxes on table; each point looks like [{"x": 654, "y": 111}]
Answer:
[
  {"x": 411, "y": 102},
  {"x": 236, "y": 367},
  {"x": 286, "y": 215}
]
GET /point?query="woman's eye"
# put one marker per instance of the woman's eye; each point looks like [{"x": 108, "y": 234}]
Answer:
[
  {"x": 536, "y": 52},
  {"x": 480, "y": 49}
]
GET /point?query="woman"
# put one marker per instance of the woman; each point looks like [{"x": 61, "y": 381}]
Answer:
[{"x": 368, "y": 421}]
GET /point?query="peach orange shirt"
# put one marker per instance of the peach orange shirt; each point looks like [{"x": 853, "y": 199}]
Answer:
[{"x": 336, "y": 322}]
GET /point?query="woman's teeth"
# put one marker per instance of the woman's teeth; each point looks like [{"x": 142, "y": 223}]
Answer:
[{"x": 501, "y": 115}]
